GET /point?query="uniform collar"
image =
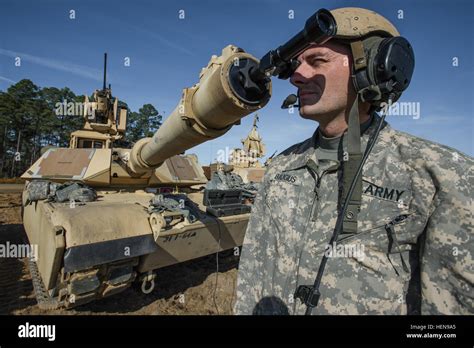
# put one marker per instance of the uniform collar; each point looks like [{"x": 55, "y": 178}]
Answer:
[
  {"x": 332, "y": 144},
  {"x": 307, "y": 149}
]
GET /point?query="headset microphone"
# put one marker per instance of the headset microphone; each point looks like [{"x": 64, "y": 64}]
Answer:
[{"x": 290, "y": 101}]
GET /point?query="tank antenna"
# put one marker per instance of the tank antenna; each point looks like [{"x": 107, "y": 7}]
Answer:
[{"x": 105, "y": 71}]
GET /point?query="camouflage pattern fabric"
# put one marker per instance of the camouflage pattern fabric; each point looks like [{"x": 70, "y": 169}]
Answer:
[
  {"x": 75, "y": 191},
  {"x": 222, "y": 180},
  {"x": 412, "y": 253},
  {"x": 174, "y": 203},
  {"x": 40, "y": 189}
]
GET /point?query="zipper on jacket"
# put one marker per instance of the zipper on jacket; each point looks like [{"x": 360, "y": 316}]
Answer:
[
  {"x": 315, "y": 204},
  {"x": 316, "y": 193},
  {"x": 348, "y": 239},
  {"x": 389, "y": 227}
]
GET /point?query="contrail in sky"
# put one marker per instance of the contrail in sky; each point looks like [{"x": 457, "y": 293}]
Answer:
[{"x": 75, "y": 69}]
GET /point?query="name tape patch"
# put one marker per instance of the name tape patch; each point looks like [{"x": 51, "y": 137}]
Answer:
[{"x": 285, "y": 177}]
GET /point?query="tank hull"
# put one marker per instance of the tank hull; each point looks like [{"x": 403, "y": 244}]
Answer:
[{"x": 87, "y": 251}]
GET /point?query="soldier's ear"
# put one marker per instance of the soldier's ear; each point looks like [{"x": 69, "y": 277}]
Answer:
[{"x": 364, "y": 108}]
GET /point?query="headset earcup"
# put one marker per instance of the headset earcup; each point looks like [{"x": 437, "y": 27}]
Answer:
[
  {"x": 390, "y": 65},
  {"x": 395, "y": 61}
]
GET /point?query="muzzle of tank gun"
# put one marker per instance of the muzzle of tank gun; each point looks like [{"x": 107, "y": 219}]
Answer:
[{"x": 206, "y": 110}]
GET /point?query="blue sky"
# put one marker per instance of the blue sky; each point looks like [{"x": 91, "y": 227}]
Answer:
[{"x": 167, "y": 53}]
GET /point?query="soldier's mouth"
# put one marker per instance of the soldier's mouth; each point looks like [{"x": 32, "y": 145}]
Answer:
[
  {"x": 308, "y": 96},
  {"x": 306, "y": 93}
]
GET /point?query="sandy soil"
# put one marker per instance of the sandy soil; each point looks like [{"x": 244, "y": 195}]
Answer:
[{"x": 193, "y": 287}]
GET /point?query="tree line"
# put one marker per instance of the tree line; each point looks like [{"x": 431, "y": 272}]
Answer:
[{"x": 29, "y": 121}]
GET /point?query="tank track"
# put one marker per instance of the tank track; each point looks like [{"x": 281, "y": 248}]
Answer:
[{"x": 45, "y": 301}]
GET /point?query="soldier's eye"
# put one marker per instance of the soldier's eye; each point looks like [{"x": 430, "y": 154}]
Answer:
[{"x": 317, "y": 61}]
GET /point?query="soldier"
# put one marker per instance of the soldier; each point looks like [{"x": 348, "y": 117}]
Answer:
[{"x": 405, "y": 248}]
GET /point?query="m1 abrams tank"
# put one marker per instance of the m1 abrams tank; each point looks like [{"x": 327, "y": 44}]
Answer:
[{"x": 102, "y": 217}]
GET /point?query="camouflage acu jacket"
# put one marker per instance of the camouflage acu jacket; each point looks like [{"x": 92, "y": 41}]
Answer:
[{"x": 414, "y": 245}]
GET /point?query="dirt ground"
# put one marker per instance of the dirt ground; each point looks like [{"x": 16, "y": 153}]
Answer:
[{"x": 188, "y": 288}]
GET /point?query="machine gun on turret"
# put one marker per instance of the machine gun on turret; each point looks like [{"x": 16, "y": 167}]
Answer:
[{"x": 105, "y": 120}]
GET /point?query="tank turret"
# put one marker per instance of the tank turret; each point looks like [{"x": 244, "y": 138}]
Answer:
[{"x": 205, "y": 111}]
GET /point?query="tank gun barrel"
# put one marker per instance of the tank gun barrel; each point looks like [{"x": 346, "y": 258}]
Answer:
[{"x": 206, "y": 110}]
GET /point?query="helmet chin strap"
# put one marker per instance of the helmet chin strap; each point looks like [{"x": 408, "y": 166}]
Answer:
[
  {"x": 352, "y": 160},
  {"x": 353, "y": 157}
]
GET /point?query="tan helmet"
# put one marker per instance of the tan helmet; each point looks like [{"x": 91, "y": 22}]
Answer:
[
  {"x": 355, "y": 22},
  {"x": 355, "y": 25}
]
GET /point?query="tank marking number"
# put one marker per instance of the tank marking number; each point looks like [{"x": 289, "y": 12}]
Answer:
[{"x": 175, "y": 237}]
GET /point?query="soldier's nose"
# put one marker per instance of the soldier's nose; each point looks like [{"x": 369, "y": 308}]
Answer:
[
  {"x": 302, "y": 75},
  {"x": 298, "y": 79}
]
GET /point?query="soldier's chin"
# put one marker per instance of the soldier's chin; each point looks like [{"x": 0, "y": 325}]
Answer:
[{"x": 310, "y": 112}]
